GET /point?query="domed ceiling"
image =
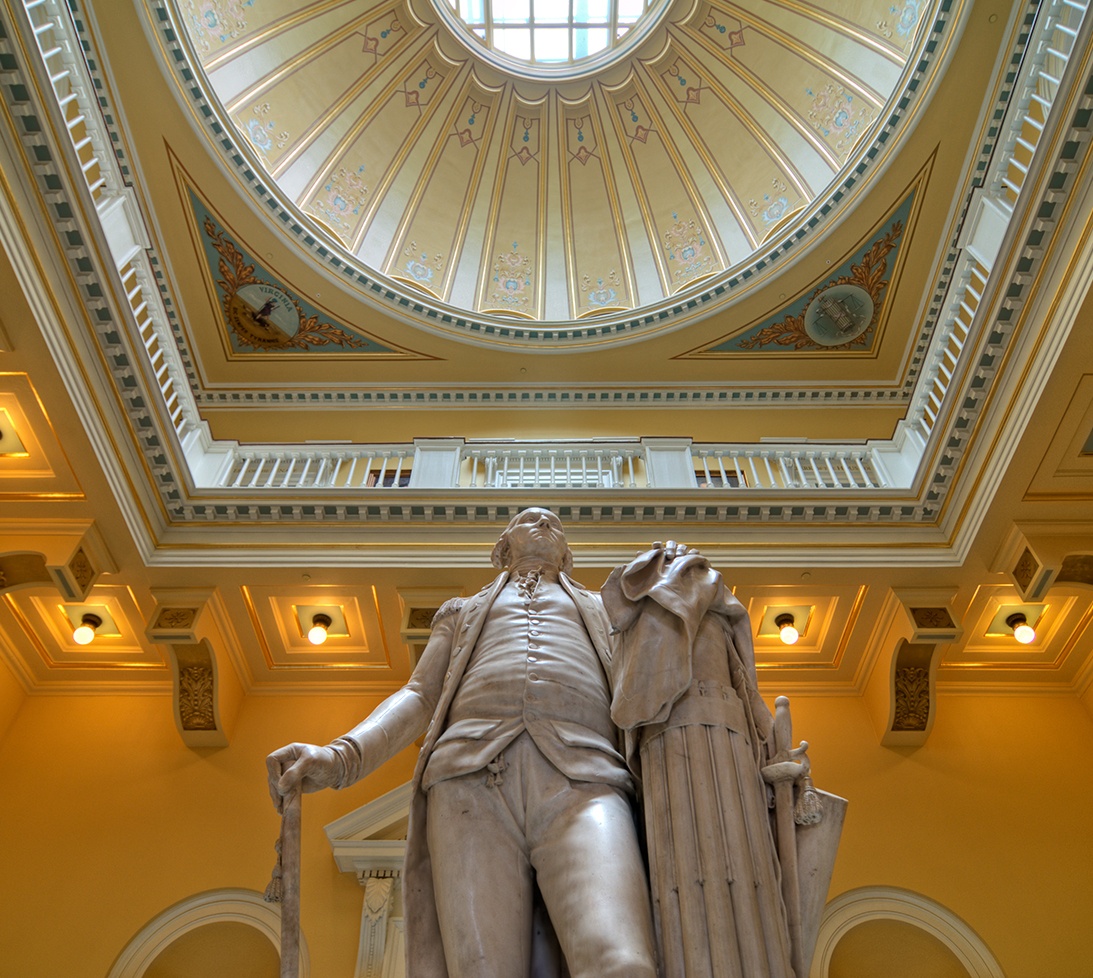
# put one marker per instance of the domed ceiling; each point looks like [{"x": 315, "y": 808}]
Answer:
[{"x": 656, "y": 182}]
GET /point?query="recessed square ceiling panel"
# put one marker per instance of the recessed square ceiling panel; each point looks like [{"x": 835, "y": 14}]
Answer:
[
  {"x": 276, "y": 615},
  {"x": 46, "y": 623},
  {"x": 826, "y": 617},
  {"x": 32, "y": 455}
]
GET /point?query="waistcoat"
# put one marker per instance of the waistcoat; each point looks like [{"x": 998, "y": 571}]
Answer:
[{"x": 533, "y": 668}]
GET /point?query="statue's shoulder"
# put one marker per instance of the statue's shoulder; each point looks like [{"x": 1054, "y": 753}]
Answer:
[{"x": 450, "y": 607}]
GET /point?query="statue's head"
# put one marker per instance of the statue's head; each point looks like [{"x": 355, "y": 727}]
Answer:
[{"x": 534, "y": 533}]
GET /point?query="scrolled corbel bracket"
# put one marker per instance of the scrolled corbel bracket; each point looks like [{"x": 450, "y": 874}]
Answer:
[
  {"x": 901, "y": 691},
  {"x": 1035, "y": 561},
  {"x": 207, "y": 691},
  {"x": 70, "y": 555}
]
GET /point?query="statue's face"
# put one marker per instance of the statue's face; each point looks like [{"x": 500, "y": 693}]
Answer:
[{"x": 537, "y": 533}]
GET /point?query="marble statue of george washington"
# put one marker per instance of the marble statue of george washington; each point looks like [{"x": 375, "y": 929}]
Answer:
[{"x": 522, "y": 800}]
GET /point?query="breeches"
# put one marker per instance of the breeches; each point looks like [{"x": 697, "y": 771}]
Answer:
[{"x": 496, "y": 835}]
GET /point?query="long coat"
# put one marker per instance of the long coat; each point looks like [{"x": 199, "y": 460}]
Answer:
[{"x": 399, "y": 720}]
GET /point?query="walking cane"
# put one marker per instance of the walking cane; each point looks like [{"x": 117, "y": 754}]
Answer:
[{"x": 284, "y": 887}]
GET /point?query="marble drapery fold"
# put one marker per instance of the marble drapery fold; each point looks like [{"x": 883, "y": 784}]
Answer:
[{"x": 685, "y": 694}]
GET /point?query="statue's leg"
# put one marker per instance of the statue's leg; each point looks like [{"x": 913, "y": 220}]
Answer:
[
  {"x": 482, "y": 877},
  {"x": 584, "y": 848}
]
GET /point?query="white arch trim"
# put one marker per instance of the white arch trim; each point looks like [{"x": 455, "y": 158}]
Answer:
[
  {"x": 854, "y": 907},
  {"x": 214, "y": 906}
]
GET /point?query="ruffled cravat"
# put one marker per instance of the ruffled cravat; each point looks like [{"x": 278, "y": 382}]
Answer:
[{"x": 528, "y": 581}]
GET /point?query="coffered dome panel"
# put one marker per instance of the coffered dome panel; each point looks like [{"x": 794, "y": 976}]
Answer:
[{"x": 630, "y": 197}]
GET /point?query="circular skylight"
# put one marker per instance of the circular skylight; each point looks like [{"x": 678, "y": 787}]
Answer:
[{"x": 557, "y": 37}]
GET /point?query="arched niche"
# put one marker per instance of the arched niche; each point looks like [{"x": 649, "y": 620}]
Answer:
[
  {"x": 176, "y": 934},
  {"x": 225, "y": 949},
  {"x": 926, "y": 930}
]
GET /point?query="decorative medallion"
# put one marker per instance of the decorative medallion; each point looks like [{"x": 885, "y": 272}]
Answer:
[
  {"x": 215, "y": 21},
  {"x": 603, "y": 293},
  {"x": 932, "y": 618},
  {"x": 773, "y": 207},
  {"x": 262, "y": 315},
  {"x": 688, "y": 253},
  {"x": 341, "y": 200},
  {"x": 511, "y": 289},
  {"x": 81, "y": 570},
  {"x": 1026, "y": 569},
  {"x": 420, "y": 267},
  {"x": 839, "y": 315},
  {"x": 175, "y": 618},
  {"x": 263, "y": 132},
  {"x": 842, "y": 313},
  {"x": 912, "y": 708},
  {"x": 839, "y": 116},
  {"x": 195, "y": 698},
  {"x": 906, "y": 18}
]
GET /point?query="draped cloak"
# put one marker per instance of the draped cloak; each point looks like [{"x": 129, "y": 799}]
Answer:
[{"x": 685, "y": 696}]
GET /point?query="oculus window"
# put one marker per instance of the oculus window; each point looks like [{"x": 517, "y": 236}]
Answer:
[{"x": 559, "y": 37}]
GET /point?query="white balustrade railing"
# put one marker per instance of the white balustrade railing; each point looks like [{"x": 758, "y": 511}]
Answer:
[
  {"x": 342, "y": 468},
  {"x": 1049, "y": 50},
  {"x": 63, "y": 60},
  {"x": 560, "y": 465},
  {"x": 1047, "y": 53},
  {"x": 950, "y": 339},
  {"x": 59, "y": 48},
  {"x": 784, "y": 468},
  {"x": 162, "y": 356},
  {"x": 557, "y": 465}
]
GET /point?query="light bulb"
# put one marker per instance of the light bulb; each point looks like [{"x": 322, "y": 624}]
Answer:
[
  {"x": 786, "y": 631},
  {"x": 1024, "y": 633},
  {"x": 317, "y": 633},
  {"x": 1022, "y": 630},
  {"x": 84, "y": 632}
]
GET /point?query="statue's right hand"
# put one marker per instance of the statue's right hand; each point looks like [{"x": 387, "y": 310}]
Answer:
[
  {"x": 672, "y": 549},
  {"x": 306, "y": 766}
]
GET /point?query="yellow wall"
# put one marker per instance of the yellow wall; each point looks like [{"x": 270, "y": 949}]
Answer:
[
  {"x": 11, "y": 697},
  {"x": 107, "y": 819},
  {"x": 990, "y": 818}
]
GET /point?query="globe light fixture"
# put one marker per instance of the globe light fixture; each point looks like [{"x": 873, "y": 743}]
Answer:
[
  {"x": 1022, "y": 630},
  {"x": 317, "y": 633},
  {"x": 84, "y": 632},
  {"x": 786, "y": 630}
]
